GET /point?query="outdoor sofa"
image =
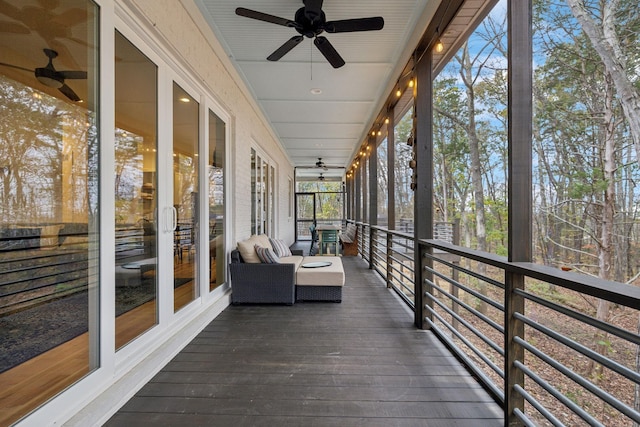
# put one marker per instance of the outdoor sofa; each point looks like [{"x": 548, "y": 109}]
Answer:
[{"x": 259, "y": 281}]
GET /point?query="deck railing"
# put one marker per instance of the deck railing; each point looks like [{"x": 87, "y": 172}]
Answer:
[{"x": 530, "y": 333}]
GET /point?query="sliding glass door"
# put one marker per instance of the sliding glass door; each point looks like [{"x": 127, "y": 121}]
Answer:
[
  {"x": 185, "y": 197},
  {"x": 135, "y": 192}
]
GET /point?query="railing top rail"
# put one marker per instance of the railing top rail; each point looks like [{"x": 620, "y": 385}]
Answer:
[
  {"x": 392, "y": 232},
  {"x": 615, "y": 292}
]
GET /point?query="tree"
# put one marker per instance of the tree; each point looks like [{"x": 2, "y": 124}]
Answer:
[{"x": 601, "y": 20}]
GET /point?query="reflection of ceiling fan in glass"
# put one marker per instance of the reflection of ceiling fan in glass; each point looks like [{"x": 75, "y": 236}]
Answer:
[{"x": 49, "y": 76}]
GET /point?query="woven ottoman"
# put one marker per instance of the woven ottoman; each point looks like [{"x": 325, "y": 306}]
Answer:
[{"x": 320, "y": 283}]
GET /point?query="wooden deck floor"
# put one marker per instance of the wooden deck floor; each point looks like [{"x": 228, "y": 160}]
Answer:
[{"x": 358, "y": 363}]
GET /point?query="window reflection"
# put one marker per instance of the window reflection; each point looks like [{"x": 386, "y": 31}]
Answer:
[
  {"x": 49, "y": 196},
  {"x": 185, "y": 196},
  {"x": 216, "y": 201},
  {"x": 135, "y": 192}
]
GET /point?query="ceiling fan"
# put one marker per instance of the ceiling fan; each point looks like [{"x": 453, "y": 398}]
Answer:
[
  {"x": 310, "y": 21},
  {"x": 321, "y": 177},
  {"x": 49, "y": 76},
  {"x": 321, "y": 165}
]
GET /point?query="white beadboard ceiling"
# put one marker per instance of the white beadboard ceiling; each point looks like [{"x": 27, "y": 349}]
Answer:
[{"x": 332, "y": 124}]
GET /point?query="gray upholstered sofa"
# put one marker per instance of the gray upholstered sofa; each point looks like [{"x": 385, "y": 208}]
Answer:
[{"x": 258, "y": 283}]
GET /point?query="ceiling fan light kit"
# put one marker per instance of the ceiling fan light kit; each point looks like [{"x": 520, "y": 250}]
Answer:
[{"x": 310, "y": 21}]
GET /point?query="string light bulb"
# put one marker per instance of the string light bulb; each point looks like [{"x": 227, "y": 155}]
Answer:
[
  {"x": 439, "y": 47},
  {"x": 386, "y": 121},
  {"x": 411, "y": 83},
  {"x": 398, "y": 93}
]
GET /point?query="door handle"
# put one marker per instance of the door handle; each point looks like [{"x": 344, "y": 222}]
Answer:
[{"x": 170, "y": 219}]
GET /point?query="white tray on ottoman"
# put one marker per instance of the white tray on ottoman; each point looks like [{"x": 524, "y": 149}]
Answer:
[{"x": 320, "y": 283}]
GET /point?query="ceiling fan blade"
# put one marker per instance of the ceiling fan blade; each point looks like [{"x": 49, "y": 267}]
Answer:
[
  {"x": 358, "y": 24},
  {"x": 71, "y": 17},
  {"x": 253, "y": 14},
  {"x": 16, "y": 67},
  {"x": 285, "y": 48},
  {"x": 69, "y": 93},
  {"x": 10, "y": 10},
  {"x": 328, "y": 51},
  {"x": 13, "y": 27},
  {"x": 73, "y": 74}
]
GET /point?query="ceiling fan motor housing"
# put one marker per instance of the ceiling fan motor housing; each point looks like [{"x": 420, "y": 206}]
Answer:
[{"x": 310, "y": 25}]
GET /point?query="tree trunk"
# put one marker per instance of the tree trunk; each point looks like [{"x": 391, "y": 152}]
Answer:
[
  {"x": 605, "y": 42},
  {"x": 606, "y": 244},
  {"x": 476, "y": 170}
]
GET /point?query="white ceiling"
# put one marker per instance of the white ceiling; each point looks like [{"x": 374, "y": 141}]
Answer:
[{"x": 332, "y": 124}]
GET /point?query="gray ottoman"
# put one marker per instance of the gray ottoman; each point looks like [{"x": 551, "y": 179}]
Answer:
[{"x": 320, "y": 283}]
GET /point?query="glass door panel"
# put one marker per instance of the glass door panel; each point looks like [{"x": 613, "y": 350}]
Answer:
[
  {"x": 49, "y": 203},
  {"x": 216, "y": 175},
  {"x": 185, "y": 196},
  {"x": 135, "y": 192}
]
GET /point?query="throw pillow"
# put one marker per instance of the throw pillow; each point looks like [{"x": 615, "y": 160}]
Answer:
[
  {"x": 266, "y": 255},
  {"x": 247, "y": 251},
  {"x": 280, "y": 248}
]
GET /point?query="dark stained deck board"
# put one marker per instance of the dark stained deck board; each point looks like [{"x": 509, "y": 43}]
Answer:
[{"x": 358, "y": 363}]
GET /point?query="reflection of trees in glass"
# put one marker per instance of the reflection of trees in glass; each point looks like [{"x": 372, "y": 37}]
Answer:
[
  {"x": 44, "y": 167},
  {"x": 403, "y": 155},
  {"x": 187, "y": 185},
  {"x": 383, "y": 184},
  {"x": 129, "y": 177}
]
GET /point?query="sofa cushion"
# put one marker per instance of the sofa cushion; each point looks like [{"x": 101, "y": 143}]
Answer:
[
  {"x": 280, "y": 247},
  {"x": 248, "y": 252},
  {"x": 261, "y": 240},
  {"x": 293, "y": 259},
  {"x": 267, "y": 255}
]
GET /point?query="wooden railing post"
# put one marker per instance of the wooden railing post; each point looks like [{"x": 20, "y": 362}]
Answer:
[
  {"x": 513, "y": 327},
  {"x": 372, "y": 237}
]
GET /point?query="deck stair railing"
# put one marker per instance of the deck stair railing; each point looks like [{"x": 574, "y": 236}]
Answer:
[{"x": 522, "y": 328}]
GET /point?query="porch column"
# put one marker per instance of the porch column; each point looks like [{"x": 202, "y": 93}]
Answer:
[
  {"x": 391, "y": 172},
  {"x": 348, "y": 193},
  {"x": 365, "y": 190},
  {"x": 372, "y": 152},
  {"x": 423, "y": 194},
  {"x": 520, "y": 113},
  {"x": 358, "y": 189}
]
